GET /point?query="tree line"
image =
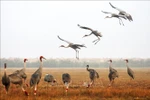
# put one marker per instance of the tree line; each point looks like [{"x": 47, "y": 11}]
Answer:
[{"x": 73, "y": 63}]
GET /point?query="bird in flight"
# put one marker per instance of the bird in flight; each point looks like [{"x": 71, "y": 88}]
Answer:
[
  {"x": 114, "y": 15},
  {"x": 122, "y": 12},
  {"x": 96, "y": 33},
  {"x": 73, "y": 46}
]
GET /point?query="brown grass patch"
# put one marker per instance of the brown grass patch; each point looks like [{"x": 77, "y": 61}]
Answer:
[{"x": 123, "y": 88}]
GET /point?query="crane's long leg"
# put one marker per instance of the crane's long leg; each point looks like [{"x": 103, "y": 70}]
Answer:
[
  {"x": 88, "y": 34},
  {"x": 110, "y": 84},
  {"x": 77, "y": 54},
  {"x": 120, "y": 21},
  {"x": 24, "y": 81},
  {"x": 35, "y": 88},
  {"x": 26, "y": 93},
  {"x": 92, "y": 82},
  {"x": 5, "y": 89},
  {"x": 97, "y": 40}
]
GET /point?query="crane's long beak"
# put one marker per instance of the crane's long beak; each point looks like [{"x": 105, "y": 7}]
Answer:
[{"x": 44, "y": 58}]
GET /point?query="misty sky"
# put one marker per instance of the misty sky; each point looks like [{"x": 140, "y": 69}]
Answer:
[{"x": 29, "y": 29}]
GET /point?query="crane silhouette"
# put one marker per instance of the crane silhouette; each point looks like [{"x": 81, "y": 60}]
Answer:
[
  {"x": 5, "y": 79},
  {"x": 36, "y": 76},
  {"x": 112, "y": 73},
  {"x": 122, "y": 12},
  {"x": 50, "y": 79},
  {"x": 113, "y": 15},
  {"x": 17, "y": 80},
  {"x": 129, "y": 70},
  {"x": 96, "y": 33},
  {"x": 66, "y": 80},
  {"x": 73, "y": 46},
  {"x": 92, "y": 74},
  {"x": 110, "y": 67},
  {"x": 22, "y": 73}
]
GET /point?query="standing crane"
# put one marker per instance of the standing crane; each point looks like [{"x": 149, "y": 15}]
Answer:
[
  {"x": 122, "y": 12},
  {"x": 93, "y": 75},
  {"x": 110, "y": 67},
  {"x": 66, "y": 80},
  {"x": 36, "y": 76},
  {"x": 17, "y": 80},
  {"x": 113, "y": 15},
  {"x": 96, "y": 33},
  {"x": 50, "y": 78},
  {"x": 129, "y": 70},
  {"x": 22, "y": 73},
  {"x": 5, "y": 80},
  {"x": 112, "y": 73},
  {"x": 73, "y": 46}
]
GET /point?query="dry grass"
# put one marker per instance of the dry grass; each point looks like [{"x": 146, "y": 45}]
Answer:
[{"x": 123, "y": 88}]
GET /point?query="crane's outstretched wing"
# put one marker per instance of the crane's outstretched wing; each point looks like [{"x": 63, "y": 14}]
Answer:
[
  {"x": 64, "y": 40},
  {"x": 116, "y": 8},
  {"x": 107, "y": 12},
  {"x": 122, "y": 12},
  {"x": 85, "y": 27}
]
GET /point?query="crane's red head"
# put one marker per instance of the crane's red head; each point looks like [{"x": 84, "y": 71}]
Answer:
[
  {"x": 110, "y": 60},
  {"x": 25, "y": 60},
  {"x": 5, "y": 65},
  {"x": 126, "y": 60},
  {"x": 41, "y": 57}
]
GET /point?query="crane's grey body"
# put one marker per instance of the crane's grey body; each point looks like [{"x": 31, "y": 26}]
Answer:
[
  {"x": 49, "y": 78},
  {"x": 92, "y": 74},
  {"x": 96, "y": 33},
  {"x": 112, "y": 73},
  {"x": 21, "y": 72},
  {"x": 129, "y": 70},
  {"x": 66, "y": 78},
  {"x": 73, "y": 46},
  {"x": 113, "y": 15},
  {"x": 5, "y": 80},
  {"x": 16, "y": 79},
  {"x": 36, "y": 76}
]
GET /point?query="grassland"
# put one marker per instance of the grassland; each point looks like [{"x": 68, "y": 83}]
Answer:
[{"x": 123, "y": 88}]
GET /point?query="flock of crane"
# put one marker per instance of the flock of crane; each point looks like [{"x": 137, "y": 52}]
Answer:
[
  {"x": 122, "y": 14},
  {"x": 19, "y": 77}
]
